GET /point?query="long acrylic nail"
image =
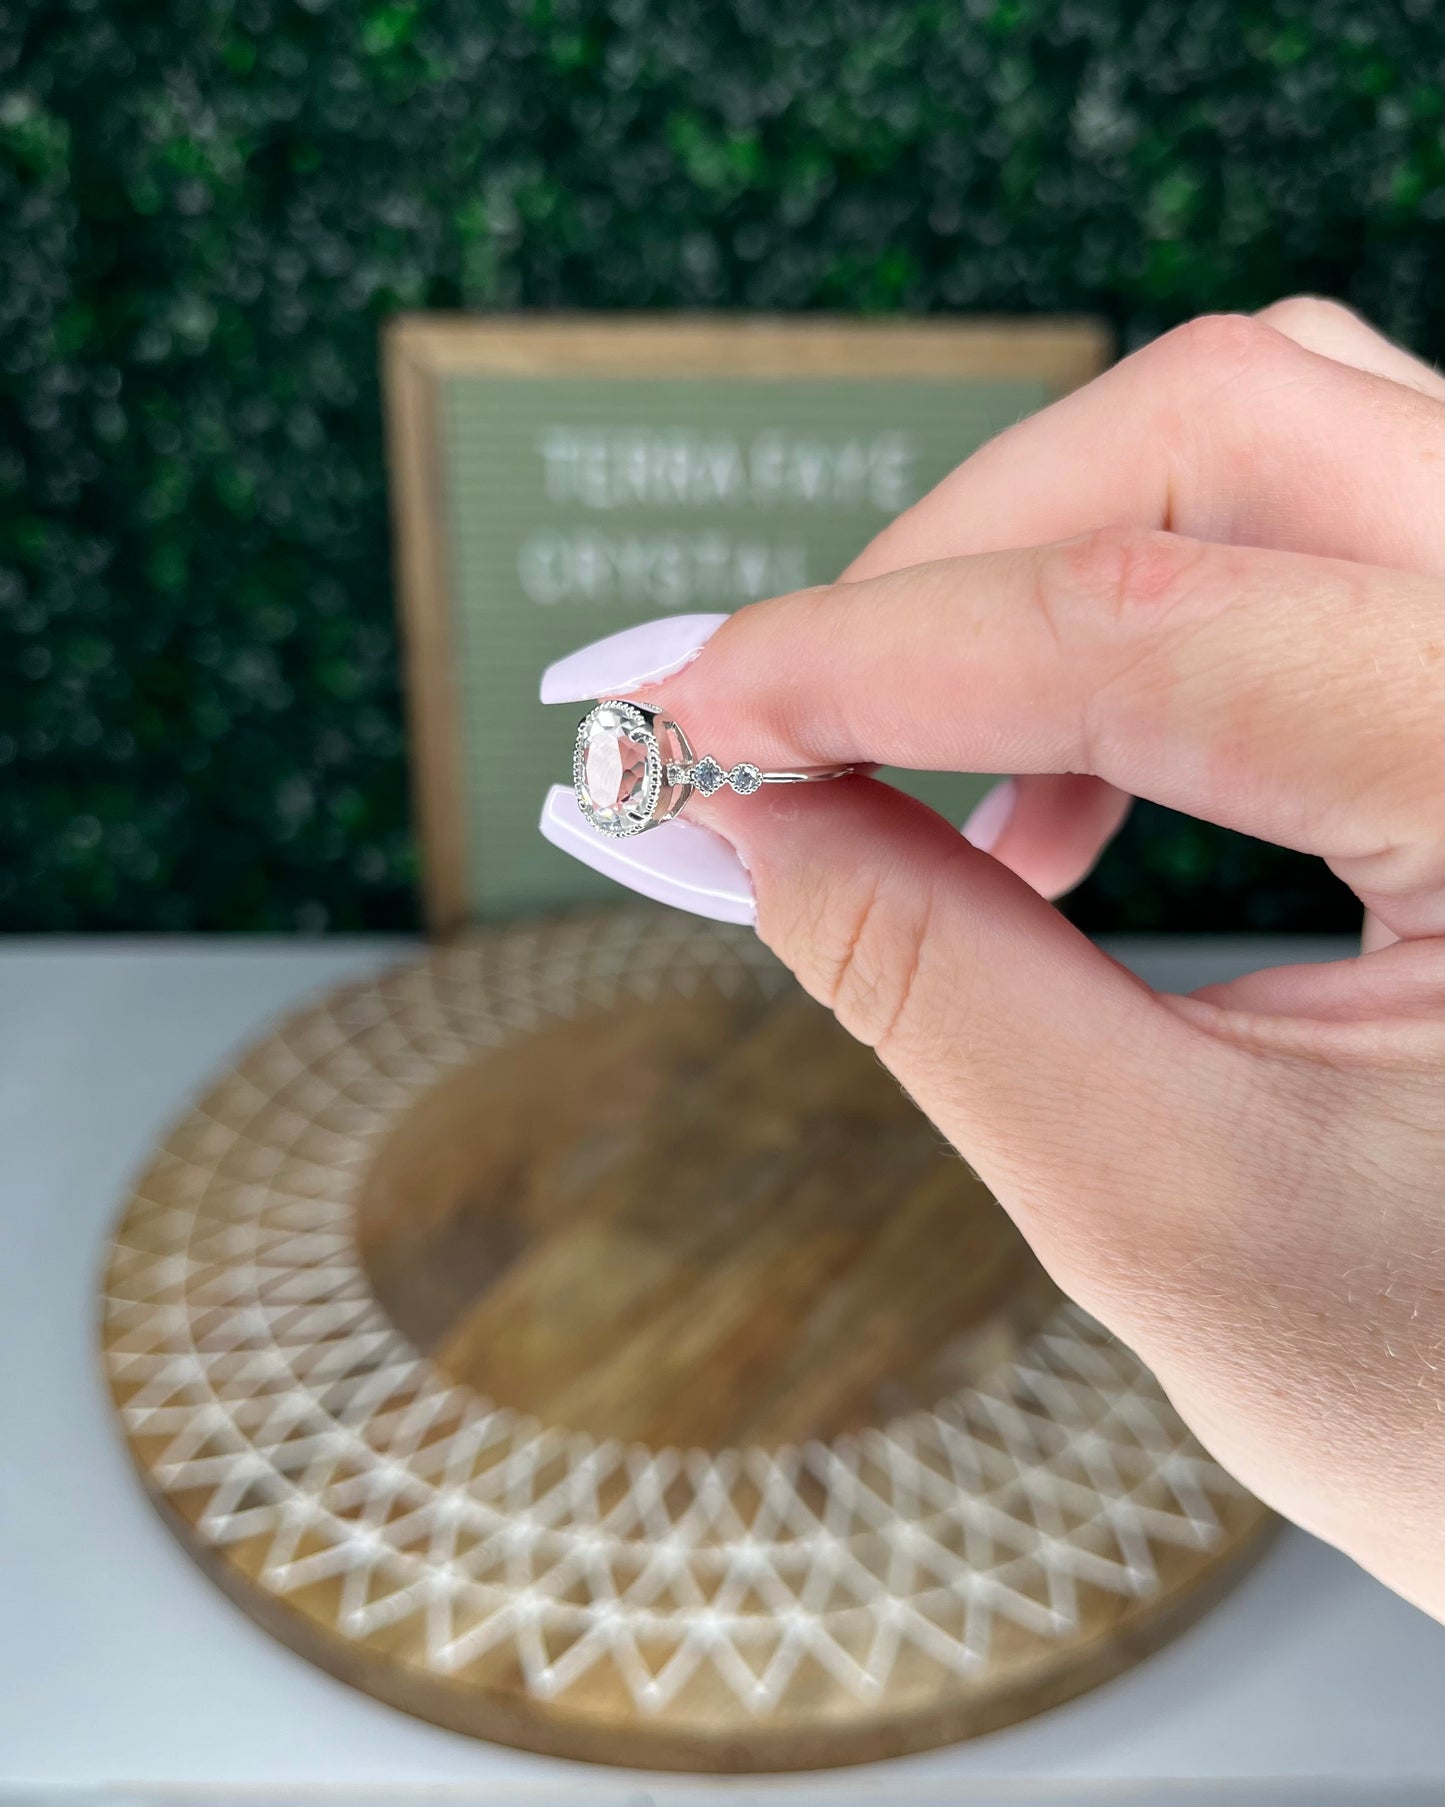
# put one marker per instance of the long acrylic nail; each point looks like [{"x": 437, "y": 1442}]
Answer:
[
  {"x": 984, "y": 829},
  {"x": 679, "y": 863},
  {"x": 629, "y": 660}
]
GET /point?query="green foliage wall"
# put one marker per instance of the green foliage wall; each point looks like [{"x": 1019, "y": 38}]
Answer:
[{"x": 207, "y": 207}]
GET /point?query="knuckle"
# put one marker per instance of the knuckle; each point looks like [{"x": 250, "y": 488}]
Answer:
[
  {"x": 871, "y": 948},
  {"x": 1112, "y": 574},
  {"x": 1212, "y": 343},
  {"x": 805, "y": 715}
]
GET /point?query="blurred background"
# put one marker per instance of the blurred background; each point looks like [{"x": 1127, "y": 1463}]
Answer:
[{"x": 208, "y": 207}]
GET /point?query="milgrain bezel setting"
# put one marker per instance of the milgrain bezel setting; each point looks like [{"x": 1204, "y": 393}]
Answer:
[{"x": 642, "y": 812}]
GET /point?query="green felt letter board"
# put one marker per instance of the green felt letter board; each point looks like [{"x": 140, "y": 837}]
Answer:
[{"x": 558, "y": 479}]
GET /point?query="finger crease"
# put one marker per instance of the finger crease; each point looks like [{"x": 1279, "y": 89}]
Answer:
[{"x": 913, "y": 968}]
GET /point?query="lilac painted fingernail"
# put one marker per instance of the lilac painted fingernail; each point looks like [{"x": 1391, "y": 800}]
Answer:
[
  {"x": 629, "y": 660},
  {"x": 984, "y": 829},
  {"x": 680, "y": 863}
]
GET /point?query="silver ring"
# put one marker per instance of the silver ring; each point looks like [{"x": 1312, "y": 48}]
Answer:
[{"x": 633, "y": 769}]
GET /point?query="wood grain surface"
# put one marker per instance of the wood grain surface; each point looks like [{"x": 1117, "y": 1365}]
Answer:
[
  {"x": 575, "y": 1339},
  {"x": 715, "y": 1221}
]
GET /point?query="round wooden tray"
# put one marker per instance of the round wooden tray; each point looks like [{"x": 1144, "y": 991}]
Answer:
[{"x": 573, "y": 1338}]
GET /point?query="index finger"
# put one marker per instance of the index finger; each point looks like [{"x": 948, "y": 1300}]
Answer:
[{"x": 1245, "y": 687}]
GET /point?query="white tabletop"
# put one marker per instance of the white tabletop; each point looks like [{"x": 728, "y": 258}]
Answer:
[{"x": 120, "y": 1662}]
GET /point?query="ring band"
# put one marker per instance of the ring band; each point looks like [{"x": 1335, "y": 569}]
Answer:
[{"x": 633, "y": 769}]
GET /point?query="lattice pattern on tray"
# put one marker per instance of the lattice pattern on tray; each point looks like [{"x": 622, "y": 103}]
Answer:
[{"x": 255, "y": 1372}]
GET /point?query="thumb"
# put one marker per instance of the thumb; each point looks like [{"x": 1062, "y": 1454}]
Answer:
[{"x": 1077, "y": 1096}]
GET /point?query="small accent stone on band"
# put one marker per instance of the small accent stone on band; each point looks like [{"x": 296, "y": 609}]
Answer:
[{"x": 707, "y": 777}]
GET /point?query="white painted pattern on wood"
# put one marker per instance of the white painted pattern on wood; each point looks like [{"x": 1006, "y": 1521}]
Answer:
[{"x": 253, "y": 1364}]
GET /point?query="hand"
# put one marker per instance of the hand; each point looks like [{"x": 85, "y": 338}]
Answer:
[{"x": 1211, "y": 578}]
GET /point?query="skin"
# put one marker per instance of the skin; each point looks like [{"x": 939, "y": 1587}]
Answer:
[{"x": 1211, "y": 578}]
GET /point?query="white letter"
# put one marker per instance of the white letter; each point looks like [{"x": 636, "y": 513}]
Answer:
[
  {"x": 894, "y": 484},
  {"x": 850, "y": 477},
  {"x": 541, "y": 565},
  {"x": 790, "y": 569},
  {"x": 710, "y": 563},
  {"x": 767, "y": 467},
  {"x": 593, "y": 485},
  {"x": 719, "y": 472},
  {"x": 559, "y": 456},
  {"x": 809, "y": 471},
  {"x": 592, "y": 566}
]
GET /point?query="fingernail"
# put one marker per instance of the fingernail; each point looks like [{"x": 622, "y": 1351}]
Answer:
[
  {"x": 680, "y": 863},
  {"x": 629, "y": 660},
  {"x": 985, "y": 826}
]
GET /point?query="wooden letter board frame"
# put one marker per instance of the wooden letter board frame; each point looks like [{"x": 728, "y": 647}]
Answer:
[{"x": 425, "y": 352}]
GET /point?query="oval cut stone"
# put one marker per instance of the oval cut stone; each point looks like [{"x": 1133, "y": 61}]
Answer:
[{"x": 614, "y": 767}]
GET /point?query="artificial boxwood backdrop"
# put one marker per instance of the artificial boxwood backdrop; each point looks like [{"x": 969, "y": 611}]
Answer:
[{"x": 207, "y": 207}]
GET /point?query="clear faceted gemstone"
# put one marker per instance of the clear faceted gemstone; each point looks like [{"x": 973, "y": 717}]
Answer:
[
  {"x": 614, "y": 767},
  {"x": 745, "y": 779}
]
